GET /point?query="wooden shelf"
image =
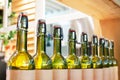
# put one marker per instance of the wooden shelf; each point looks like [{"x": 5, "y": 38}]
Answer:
[{"x": 101, "y": 9}]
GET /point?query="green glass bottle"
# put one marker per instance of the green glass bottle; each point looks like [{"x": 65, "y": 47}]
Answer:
[
  {"x": 21, "y": 59},
  {"x": 97, "y": 62},
  {"x": 72, "y": 60},
  {"x": 86, "y": 62},
  {"x": 106, "y": 54},
  {"x": 42, "y": 60},
  {"x": 112, "y": 60},
  {"x": 58, "y": 61},
  {"x": 101, "y": 48}
]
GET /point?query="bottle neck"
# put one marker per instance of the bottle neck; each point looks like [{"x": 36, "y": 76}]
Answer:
[
  {"x": 18, "y": 40},
  {"x": 106, "y": 52},
  {"x": 101, "y": 50},
  {"x": 41, "y": 44},
  {"x": 84, "y": 49},
  {"x": 22, "y": 40},
  {"x": 94, "y": 50},
  {"x": 111, "y": 53},
  {"x": 72, "y": 47},
  {"x": 57, "y": 46}
]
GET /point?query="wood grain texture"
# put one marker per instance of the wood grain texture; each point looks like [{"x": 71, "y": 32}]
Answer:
[
  {"x": 101, "y": 9},
  {"x": 27, "y": 6}
]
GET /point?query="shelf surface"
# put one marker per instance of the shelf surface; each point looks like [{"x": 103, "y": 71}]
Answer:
[{"x": 101, "y": 9}]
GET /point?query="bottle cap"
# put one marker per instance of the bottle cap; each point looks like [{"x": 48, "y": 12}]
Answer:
[
  {"x": 106, "y": 43},
  {"x": 22, "y": 22},
  {"x": 101, "y": 41},
  {"x": 84, "y": 37},
  {"x": 111, "y": 44},
  {"x": 41, "y": 28},
  {"x": 58, "y": 32},
  {"x": 94, "y": 39},
  {"x": 72, "y": 34}
]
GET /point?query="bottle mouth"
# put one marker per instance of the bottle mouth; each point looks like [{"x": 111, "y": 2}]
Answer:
[
  {"x": 84, "y": 37},
  {"x": 72, "y": 35},
  {"x": 57, "y": 27},
  {"x": 101, "y": 41},
  {"x": 41, "y": 21},
  {"x": 41, "y": 27},
  {"x": 22, "y": 22},
  {"x": 58, "y": 32},
  {"x": 94, "y": 39},
  {"x": 106, "y": 45},
  {"x": 111, "y": 44}
]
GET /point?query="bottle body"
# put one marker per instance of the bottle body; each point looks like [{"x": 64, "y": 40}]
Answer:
[
  {"x": 112, "y": 60},
  {"x": 73, "y": 61},
  {"x": 58, "y": 61},
  {"x": 21, "y": 59},
  {"x": 106, "y": 55},
  {"x": 86, "y": 62},
  {"x": 42, "y": 60},
  {"x": 97, "y": 62}
]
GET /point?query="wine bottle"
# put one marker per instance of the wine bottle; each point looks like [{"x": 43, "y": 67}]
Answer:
[
  {"x": 75, "y": 73},
  {"x": 101, "y": 48},
  {"x": 72, "y": 60},
  {"x": 112, "y": 60},
  {"x": 43, "y": 63},
  {"x": 86, "y": 62},
  {"x": 106, "y": 69},
  {"x": 106, "y": 54},
  {"x": 21, "y": 59},
  {"x": 113, "y": 64},
  {"x": 58, "y": 61},
  {"x": 97, "y": 62},
  {"x": 42, "y": 60}
]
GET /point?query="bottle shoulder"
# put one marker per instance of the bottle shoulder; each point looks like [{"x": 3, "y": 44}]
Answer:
[
  {"x": 21, "y": 60},
  {"x": 42, "y": 61},
  {"x": 113, "y": 62},
  {"x": 86, "y": 62},
  {"x": 85, "y": 58},
  {"x": 42, "y": 55},
  {"x": 58, "y": 62},
  {"x": 105, "y": 62},
  {"x": 73, "y": 62},
  {"x": 72, "y": 57},
  {"x": 58, "y": 57},
  {"x": 96, "y": 62},
  {"x": 96, "y": 59}
]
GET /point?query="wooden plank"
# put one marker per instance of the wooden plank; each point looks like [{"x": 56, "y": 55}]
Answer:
[
  {"x": 24, "y": 7},
  {"x": 31, "y": 52},
  {"x": 28, "y": 11},
  {"x": 101, "y": 9},
  {"x": 80, "y": 5},
  {"x": 31, "y": 44},
  {"x": 31, "y": 17},
  {"x": 21, "y": 2}
]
